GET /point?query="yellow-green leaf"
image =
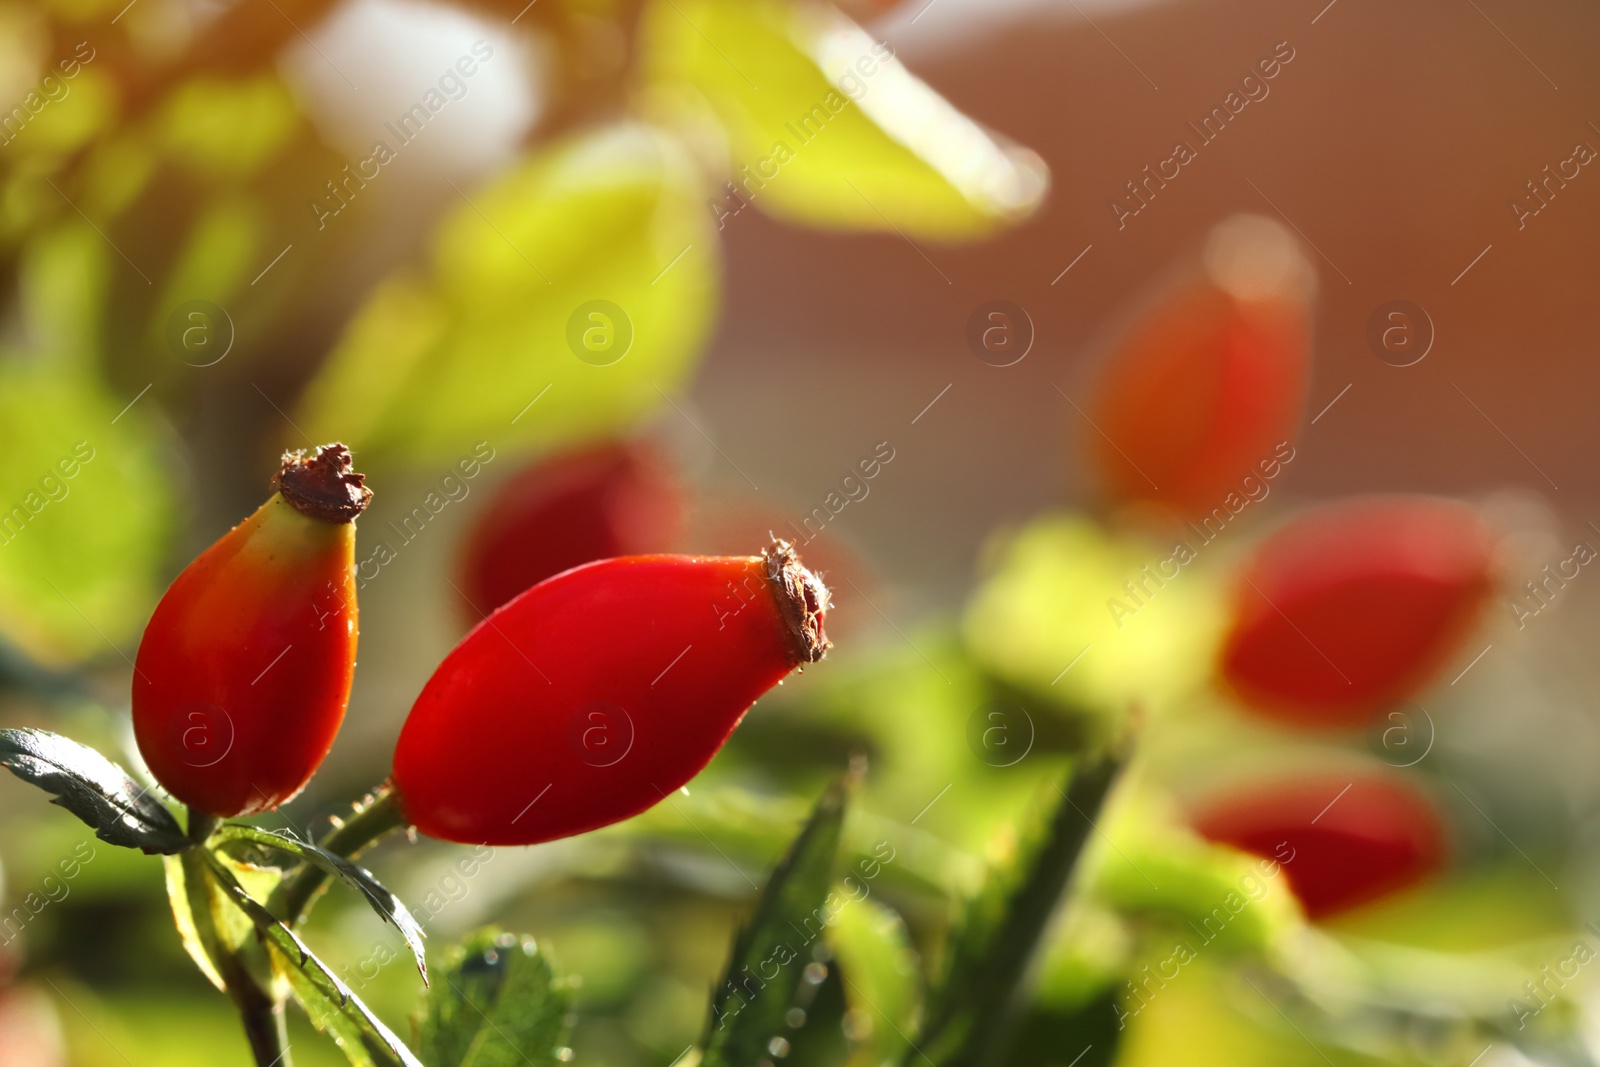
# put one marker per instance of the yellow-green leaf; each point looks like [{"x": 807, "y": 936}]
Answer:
[
  {"x": 561, "y": 302},
  {"x": 826, "y": 127}
]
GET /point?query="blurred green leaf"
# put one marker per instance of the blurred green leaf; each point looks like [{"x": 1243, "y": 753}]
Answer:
[
  {"x": 84, "y": 508},
  {"x": 766, "y": 968},
  {"x": 826, "y": 127},
  {"x": 994, "y": 943},
  {"x": 218, "y": 258},
  {"x": 882, "y": 978},
  {"x": 241, "y": 841},
  {"x": 508, "y": 316},
  {"x": 227, "y": 127},
  {"x": 1044, "y": 621},
  {"x": 1207, "y": 894},
  {"x": 498, "y": 1003},
  {"x": 94, "y": 789}
]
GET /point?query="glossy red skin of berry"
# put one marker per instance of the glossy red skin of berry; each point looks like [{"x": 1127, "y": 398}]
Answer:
[
  {"x": 1196, "y": 396},
  {"x": 594, "y": 695},
  {"x": 1356, "y": 606},
  {"x": 244, "y": 671},
  {"x": 614, "y": 500},
  {"x": 1340, "y": 847}
]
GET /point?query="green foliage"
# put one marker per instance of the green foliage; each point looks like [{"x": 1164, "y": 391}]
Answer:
[
  {"x": 499, "y": 322},
  {"x": 882, "y": 978},
  {"x": 246, "y": 843},
  {"x": 326, "y": 998},
  {"x": 995, "y": 941},
  {"x": 767, "y": 967},
  {"x": 835, "y": 130},
  {"x": 498, "y": 1003},
  {"x": 1048, "y": 602}
]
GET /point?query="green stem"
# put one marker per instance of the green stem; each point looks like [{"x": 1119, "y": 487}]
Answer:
[
  {"x": 262, "y": 1014},
  {"x": 377, "y": 815}
]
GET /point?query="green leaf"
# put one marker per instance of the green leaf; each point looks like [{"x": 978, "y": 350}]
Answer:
[
  {"x": 85, "y": 504},
  {"x": 994, "y": 944},
  {"x": 770, "y": 955},
  {"x": 503, "y": 340},
  {"x": 99, "y": 792},
  {"x": 1058, "y": 598},
  {"x": 824, "y": 125},
  {"x": 244, "y": 843},
  {"x": 881, "y": 977},
  {"x": 500, "y": 1005},
  {"x": 326, "y": 998},
  {"x": 199, "y": 940}
]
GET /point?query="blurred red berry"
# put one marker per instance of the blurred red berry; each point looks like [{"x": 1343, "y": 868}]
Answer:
[
  {"x": 1342, "y": 840},
  {"x": 614, "y": 500},
  {"x": 1356, "y": 606},
  {"x": 595, "y": 694},
  {"x": 244, "y": 670},
  {"x": 1199, "y": 393}
]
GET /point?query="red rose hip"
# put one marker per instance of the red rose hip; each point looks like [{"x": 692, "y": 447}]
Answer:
[
  {"x": 1342, "y": 840},
  {"x": 1355, "y": 606},
  {"x": 614, "y": 500},
  {"x": 592, "y": 696},
  {"x": 1199, "y": 393},
  {"x": 244, "y": 670}
]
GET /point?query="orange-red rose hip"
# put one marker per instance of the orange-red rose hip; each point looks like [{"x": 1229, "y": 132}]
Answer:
[{"x": 244, "y": 670}]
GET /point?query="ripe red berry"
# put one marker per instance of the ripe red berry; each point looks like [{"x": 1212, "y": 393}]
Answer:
[
  {"x": 614, "y": 500},
  {"x": 1355, "y": 606},
  {"x": 1198, "y": 394},
  {"x": 596, "y": 693},
  {"x": 1343, "y": 840},
  {"x": 244, "y": 670}
]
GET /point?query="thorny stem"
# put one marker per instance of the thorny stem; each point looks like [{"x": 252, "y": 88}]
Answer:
[{"x": 372, "y": 818}]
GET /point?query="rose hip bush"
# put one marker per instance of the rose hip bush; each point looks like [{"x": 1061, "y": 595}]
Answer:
[{"x": 1187, "y": 778}]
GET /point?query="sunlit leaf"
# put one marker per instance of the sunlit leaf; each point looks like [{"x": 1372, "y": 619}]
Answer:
[
  {"x": 771, "y": 954},
  {"x": 825, "y": 125},
  {"x": 241, "y": 841},
  {"x": 499, "y": 1004},
  {"x": 321, "y": 991},
  {"x": 120, "y": 811},
  {"x": 562, "y": 300},
  {"x": 1057, "y": 616},
  {"x": 199, "y": 945}
]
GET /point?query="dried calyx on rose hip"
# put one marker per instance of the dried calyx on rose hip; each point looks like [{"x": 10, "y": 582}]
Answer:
[
  {"x": 616, "y": 499},
  {"x": 1343, "y": 839},
  {"x": 1355, "y": 606},
  {"x": 1205, "y": 389},
  {"x": 244, "y": 670},
  {"x": 595, "y": 694}
]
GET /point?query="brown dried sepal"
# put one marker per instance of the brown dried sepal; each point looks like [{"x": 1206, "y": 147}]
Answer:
[
  {"x": 802, "y": 598},
  {"x": 323, "y": 487}
]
